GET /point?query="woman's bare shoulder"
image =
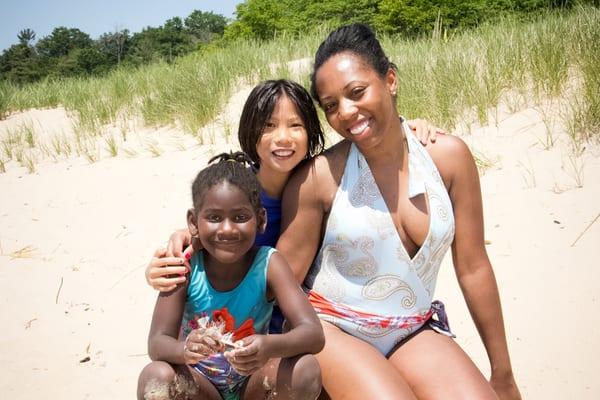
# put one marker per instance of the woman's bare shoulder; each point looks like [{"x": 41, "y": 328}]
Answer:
[
  {"x": 451, "y": 155},
  {"x": 333, "y": 155},
  {"x": 321, "y": 174},
  {"x": 326, "y": 164}
]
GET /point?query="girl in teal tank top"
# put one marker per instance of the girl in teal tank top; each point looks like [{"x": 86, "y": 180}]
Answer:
[{"x": 224, "y": 350}]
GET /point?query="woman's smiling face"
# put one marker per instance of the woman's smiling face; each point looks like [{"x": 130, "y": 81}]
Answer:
[{"x": 357, "y": 101}]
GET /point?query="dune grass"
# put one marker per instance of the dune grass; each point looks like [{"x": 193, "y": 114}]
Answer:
[
  {"x": 447, "y": 79},
  {"x": 192, "y": 90}
]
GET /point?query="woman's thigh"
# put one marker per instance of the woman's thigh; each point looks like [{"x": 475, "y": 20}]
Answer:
[
  {"x": 436, "y": 367},
  {"x": 353, "y": 369}
]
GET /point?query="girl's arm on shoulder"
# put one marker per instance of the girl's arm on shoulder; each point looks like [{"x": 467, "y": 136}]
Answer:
[
  {"x": 305, "y": 334},
  {"x": 167, "y": 267},
  {"x": 165, "y": 272},
  {"x": 163, "y": 343},
  {"x": 424, "y": 130},
  {"x": 471, "y": 262}
]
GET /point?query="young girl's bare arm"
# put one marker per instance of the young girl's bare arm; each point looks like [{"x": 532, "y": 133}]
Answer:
[
  {"x": 163, "y": 343},
  {"x": 166, "y": 320},
  {"x": 305, "y": 335}
]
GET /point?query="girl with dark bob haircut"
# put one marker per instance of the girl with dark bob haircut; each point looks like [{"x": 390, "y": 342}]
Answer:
[{"x": 258, "y": 110}]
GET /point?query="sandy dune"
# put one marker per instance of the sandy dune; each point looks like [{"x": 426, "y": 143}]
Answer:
[{"x": 75, "y": 238}]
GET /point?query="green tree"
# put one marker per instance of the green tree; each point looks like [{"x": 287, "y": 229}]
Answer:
[
  {"x": 115, "y": 45},
  {"x": 263, "y": 19},
  {"x": 25, "y": 36},
  {"x": 62, "y": 40},
  {"x": 340, "y": 12},
  {"x": 165, "y": 42},
  {"x": 419, "y": 17},
  {"x": 205, "y": 26},
  {"x": 174, "y": 41},
  {"x": 19, "y": 63},
  {"x": 91, "y": 61},
  {"x": 144, "y": 46},
  {"x": 259, "y": 19},
  {"x": 64, "y": 67}
]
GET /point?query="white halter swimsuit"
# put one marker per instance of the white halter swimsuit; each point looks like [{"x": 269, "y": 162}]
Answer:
[{"x": 363, "y": 279}]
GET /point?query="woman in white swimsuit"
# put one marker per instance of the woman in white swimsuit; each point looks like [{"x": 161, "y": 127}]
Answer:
[{"x": 377, "y": 213}]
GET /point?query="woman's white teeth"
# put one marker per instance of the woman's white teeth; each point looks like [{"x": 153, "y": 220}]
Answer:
[
  {"x": 358, "y": 129},
  {"x": 283, "y": 153}
]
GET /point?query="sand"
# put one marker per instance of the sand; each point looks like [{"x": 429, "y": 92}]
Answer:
[{"x": 76, "y": 236}]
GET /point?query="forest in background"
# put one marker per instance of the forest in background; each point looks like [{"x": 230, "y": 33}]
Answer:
[{"x": 70, "y": 52}]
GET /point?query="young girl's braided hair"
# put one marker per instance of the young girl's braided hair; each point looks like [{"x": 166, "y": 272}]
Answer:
[{"x": 233, "y": 168}]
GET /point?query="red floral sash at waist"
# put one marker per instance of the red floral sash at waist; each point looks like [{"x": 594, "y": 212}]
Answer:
[{"x": 325, "y": 306}]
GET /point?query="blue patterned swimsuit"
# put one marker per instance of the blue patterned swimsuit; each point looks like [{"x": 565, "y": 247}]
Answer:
[{"x": 363, "y": 279}]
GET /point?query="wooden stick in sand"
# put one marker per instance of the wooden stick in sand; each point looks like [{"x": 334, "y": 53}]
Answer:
[
  {"x": 585, "y": 230},
  {"x": 58, "y": 292}
]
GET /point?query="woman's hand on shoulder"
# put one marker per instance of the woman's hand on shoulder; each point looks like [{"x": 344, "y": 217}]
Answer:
[{"x": 424, "y": 130}]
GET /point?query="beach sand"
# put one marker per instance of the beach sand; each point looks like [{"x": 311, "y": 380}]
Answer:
[{"x": 75, "y": 238}]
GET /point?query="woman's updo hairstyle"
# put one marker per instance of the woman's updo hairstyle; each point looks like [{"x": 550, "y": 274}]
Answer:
[{"x": 355, "y": 38}]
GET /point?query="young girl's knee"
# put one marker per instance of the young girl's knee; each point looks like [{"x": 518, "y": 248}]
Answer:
[
  {"x": 155, "y": 381},
  {"x": 306, "y": 379}
]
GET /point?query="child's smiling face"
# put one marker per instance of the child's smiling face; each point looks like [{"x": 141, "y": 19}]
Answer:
[
  {"x": 226, "y": 223},
  {"x": 284, "y": 141}
]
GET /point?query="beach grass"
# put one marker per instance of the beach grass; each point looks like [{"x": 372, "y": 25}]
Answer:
[{"x": 448, "y": 79}]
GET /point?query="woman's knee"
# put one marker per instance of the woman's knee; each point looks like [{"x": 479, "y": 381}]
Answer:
[{"x": 155, "y": 380}]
